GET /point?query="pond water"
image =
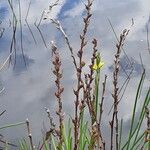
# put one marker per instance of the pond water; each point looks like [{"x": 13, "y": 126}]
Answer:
[{"x": 27, "y": 80}]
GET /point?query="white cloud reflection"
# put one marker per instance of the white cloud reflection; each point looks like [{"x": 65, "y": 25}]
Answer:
[{"x": 28, "y": 93}]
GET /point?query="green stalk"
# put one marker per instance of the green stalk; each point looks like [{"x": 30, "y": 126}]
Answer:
[
  {"x": 84, "y": 138},
  {"x": 142, "y": 114},
  {"x": 64, "y": 137},
  {"x": 134, "y": 109},
  {"x": 46, "y": 146},
  {"x": 54, "y": 144},
  {"x": 69, "y": 146},
  {"x": 97, "y": 80},
  {"x": 69, "y": 140},
  {"x": 140, "y": 120},
  {"x": 23, "y": 145},
  {"x": 138, "y": 140}
]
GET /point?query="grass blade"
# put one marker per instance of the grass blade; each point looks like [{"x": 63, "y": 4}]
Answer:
[{"x": 134, "y": 109}]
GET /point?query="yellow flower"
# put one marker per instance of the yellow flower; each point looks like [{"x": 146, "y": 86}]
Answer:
[{"x": 98, "y": 66}]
